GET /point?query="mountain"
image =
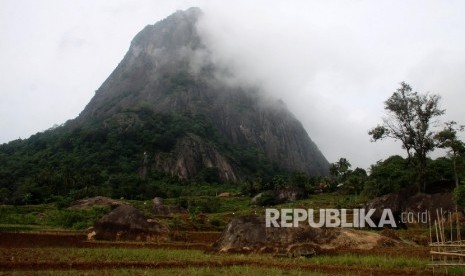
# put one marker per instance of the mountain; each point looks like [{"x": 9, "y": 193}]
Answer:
[
  {"x": 166, "y": 110},
  {"x": 167, "y": 70}
]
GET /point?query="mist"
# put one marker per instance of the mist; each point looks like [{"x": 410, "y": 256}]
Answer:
[{"x": 333, "y": 63}]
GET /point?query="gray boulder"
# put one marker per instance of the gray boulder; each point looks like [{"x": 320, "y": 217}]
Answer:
[
  {"x": 98, "y": 201},
  {"x": 248, "y": 234},
  {"x": 402, "y": 204},
  {"x": 128, "y": 223},
  {"x": 159, "y": 209}
]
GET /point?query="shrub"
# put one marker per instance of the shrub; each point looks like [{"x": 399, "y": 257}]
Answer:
[
  {"x": 62, "y": 202},
  {"x": 459, "y": 196},
  {"x": 201, "y": 204},
  {"x": 267, "y": 198},
  {"x": 75, "y": 219}
]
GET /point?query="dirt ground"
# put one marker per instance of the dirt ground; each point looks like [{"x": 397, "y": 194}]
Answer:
[
  {"x": 184, "y": 240},
  {"x": 197, "y": 240}
]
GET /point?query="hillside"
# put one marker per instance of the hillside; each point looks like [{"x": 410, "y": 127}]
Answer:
[{"x": 166, "y": 114}]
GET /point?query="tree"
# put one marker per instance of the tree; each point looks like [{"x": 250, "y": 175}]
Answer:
[
  {"x": 340, "y": 167},
  {"x": 355, "y": 181},
  {"x": 410, "y": 117},
  {"x": 459, "y": 196},
  {"x": 342, "y": 176},
  {"x": 447, "y": 139},
  {"x": 388, "y": 176}
]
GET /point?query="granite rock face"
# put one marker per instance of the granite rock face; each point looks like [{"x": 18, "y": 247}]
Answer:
[{"x": 169, "y": 70}]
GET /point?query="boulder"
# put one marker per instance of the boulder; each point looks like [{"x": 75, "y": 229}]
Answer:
[
  {"x": 255, "y": 199},
  {"x": 401, "y": 203},
  {"x": 98, "y": 201},
  {"x": 277, "y": 196},
  {"x": 224, "y": 195},
  {"x": 393, "y": 201},
  {"x": 249, "y": 234},
  {"x": 157, "y": 201},
  {"x": 127, "y": 223},
  {"x": 290, "y": 194},
  {"x": 431, "y": 202},
  {"x": 159, "y": 209}
]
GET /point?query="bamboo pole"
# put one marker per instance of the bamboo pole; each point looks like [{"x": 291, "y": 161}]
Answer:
[
  {"x": 442, "y": 227},
  {"x": 450, "y": 221},
  {"x": 441, "y": 239},
  {"x": 447, "y": 253},
  {"x": 443, "y": 232},
  {"x": 453, "y": 245},
  {"x": 439, "y": 226},
  {"x": 459, "y": 238},
  {"x": 430, "y": 230},
  {"x": 457, "y": 224}
]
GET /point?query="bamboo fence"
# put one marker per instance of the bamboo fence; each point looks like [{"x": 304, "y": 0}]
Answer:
[{"x": 446, "y": 246}]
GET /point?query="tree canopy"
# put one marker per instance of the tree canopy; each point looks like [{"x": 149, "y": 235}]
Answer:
[
  {"x": 447, "y": 139},
  {"x": 410, "y": 119}
]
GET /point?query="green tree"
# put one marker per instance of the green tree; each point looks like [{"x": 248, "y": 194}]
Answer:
[
  {"x": 339, "y": 168},
  {"x": 459, "y": 196},
  {"x": 279, "y": 182},
  {"x": 410, "y": 116},
  {"x": 4, "y": 195},
  {"x": 440, "y": 171},
  {"x": 390, "y": 175},
  {"x": 447, "y": 139},
  {"x": 352, "y": 181},
  {"x": 298, "y": 180},
  {"x": 355, "y": 180}
]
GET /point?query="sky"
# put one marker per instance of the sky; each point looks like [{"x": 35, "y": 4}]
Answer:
[{"x": 332, "y": 62}]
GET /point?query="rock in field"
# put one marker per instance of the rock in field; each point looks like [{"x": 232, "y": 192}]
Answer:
[
  {"x": 249, "y": 234},
  {"x": 128, "y": 223}
]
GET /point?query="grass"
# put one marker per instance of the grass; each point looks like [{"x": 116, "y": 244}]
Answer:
[
  {"x": 188, "y": 262},
  {"x": 454, "y": 270},
  {"x": 25, "y": 215},
  {"x": 232, "y": 270},
  {"x": 39, "y": 255},
  {"x": 322, "y": 201},
  {"x": 144, "y": 261},
  {"x": 370, "y": 261},
  {"x": 26, "y": 228},
  {"x": 46, "y": 217},
  {"x": 67, "y": 255}
]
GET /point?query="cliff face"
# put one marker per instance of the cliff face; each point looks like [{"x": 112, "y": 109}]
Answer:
[
  {"x": 191, "y": 155},
  {"x": 168, "y": 70}
]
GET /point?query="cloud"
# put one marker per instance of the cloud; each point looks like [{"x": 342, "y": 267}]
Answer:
[{"x": 332, "y": 62}]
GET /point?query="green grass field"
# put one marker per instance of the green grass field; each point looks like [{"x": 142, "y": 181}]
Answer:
[
  {"x": 188, "y": 262},
  {"x": 110, "y": 258}
]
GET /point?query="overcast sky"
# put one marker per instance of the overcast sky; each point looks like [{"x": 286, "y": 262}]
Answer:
[{"x": 332, "y": 62}]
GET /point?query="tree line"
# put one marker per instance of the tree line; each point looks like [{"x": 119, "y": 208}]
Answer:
[{"x": 68, "y": 163}]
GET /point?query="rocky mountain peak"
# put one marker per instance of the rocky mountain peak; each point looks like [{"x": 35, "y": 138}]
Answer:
[
  {"x": 168, "y": 70},
  {"x": 176, "y": 31},
  {"x": 167, "y": 115}
]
